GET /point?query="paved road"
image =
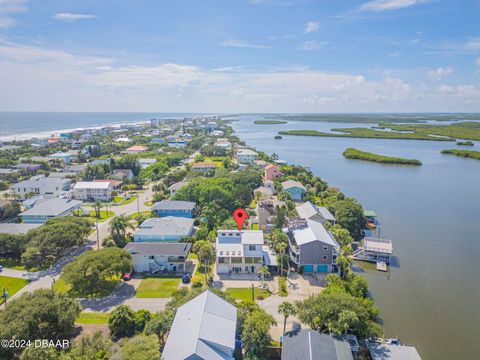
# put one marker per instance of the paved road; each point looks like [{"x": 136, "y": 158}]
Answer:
[{"x": 44, "y": 279}]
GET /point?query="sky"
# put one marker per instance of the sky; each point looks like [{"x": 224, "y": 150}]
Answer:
[{"x": 231, "y": 56}]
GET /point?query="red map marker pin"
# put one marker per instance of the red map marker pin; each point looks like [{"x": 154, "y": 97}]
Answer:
[{"x": 240, "y": 215}]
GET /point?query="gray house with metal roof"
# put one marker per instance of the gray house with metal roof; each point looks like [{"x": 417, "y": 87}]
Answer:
[
  {"x": 47, "y": 209},
  {"x": 308, "y": 344},
  {"x": 203, "y": 329},
  {"x": 158, "y": 256},
  {"x": 168, "y": 228},
  {"x": 175, "y": 208}
]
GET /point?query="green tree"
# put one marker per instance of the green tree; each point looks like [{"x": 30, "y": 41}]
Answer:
[
  {"x": 286, "y": 309},
  {"x": 122, "y": 322},
  {"x": 97, "y": 205},
  {"x": 255, "y": 334},
  {"x": 41, "y": 314},
  {"x": 96, "y": 271},
  {"x": 160, "y": 325},
  {"x": 142, "y": 317},
  {"x": 278, "y": 241},
  {"x": 206, "y": 254},
  {"x": 44, "y": 353},
  {"x": 118, "y": 229},
  {"x": 96, "y": 346},
  {"x": 349, "y": 215},
  {"x": 140, "y": 347}
]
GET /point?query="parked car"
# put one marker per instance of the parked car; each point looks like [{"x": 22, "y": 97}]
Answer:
[
  {"x": 1, "y": 267},
  {"x": 127, "y": 276},
  {"x": 186, "y": 278}
]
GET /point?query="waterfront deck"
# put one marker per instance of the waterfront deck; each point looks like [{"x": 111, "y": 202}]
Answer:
[{"x": 376, "y": 251}]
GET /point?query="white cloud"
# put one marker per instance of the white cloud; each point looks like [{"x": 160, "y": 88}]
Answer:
[
  {"x": 313, "y": 45},
  {"x": 384, "y": 5},
  {"x": 9, "y": 8},
  {"x": 472, "y": 44},
  {"x": 312, "y": 26},
  {"x": 42, "y": 79},
  {"x": 439, "y": 73},
  {"x": 71, "y": 17},
  {"x": 242, "y": 44},
  {"x": 478, "y": 62}
]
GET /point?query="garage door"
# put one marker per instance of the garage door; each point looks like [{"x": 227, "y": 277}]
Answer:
[
  {"x": 308, "y": 268},
  {"x": 322, "y": 268},
  {"x": 222, "y": 269}
]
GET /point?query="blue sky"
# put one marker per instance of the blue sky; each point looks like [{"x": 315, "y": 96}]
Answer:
[{"x": 240, "y": 55}]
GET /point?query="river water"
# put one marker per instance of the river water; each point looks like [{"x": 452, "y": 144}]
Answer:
[{"x": 431, "y": 298}]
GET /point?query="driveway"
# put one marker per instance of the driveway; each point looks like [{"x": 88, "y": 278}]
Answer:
[{"x": 14, "y": 273}]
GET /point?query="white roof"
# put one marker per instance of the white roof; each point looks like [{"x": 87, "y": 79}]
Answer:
[
  {"x": 312, "y": 232},
  {"x": 378, "y": 245},
  {"x": 246, "y": 152},
  {"x": 13, "y": 228},
  {"x": 392, "y": 352},
  {"x": 201, "y": 328},
  {"x": 252, "y": 237},
  {"x": 292, "y": 183},
  {"x": 269, "y": 256},
  {"x": 92, "y": 185}
]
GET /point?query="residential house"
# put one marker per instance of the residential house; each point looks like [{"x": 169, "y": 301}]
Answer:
[
  {"x": 260, "y": 164},
  {"x": 168, "y": 228},
  {"x": 311, "y": 344},
  {"x": 32, "y": 168},
  {"x": 146, "y": 162},
  {"x": 158, "y": 141},
  {"x": 123, "y": 138},
  {"x": 47, "y": 209},
  {"x": 246, "y": 156},
  {"x": 115, "y": 183},
  {"x": 263, "y": 193},
  {"x": 312, "y": 247},
  {"x": 223, "y": 143},
  {"x": 218, "y": 133},
  {"x": 8, "y": 173},
  {"x": 17, "y": 229},
  {"x": 271, "y": 172},
  {"x": 294, "y": 188},
  {"x": 176, "y": 142},
  {"x": 158, "y": 256},
  {"x": 121, "y": 174},
  {"x": 63, "y": 156},
  {"x": 93, "y": 191},
  {"x": 100, "y": 162},
  {"x": 177, "y": 186},
  {"x": 382, "y": 351},
  {"x": 203, "y": 329},
  {"x": 41, "y": 185},
  {"x": 266, "y": 211},
  {"x": 203, "y": 166},
  {"x": 239, "y": 251},
  {"x": 270, "y": 185},
  {"x": 136, "y": 149},
  {"x": 318, "y": 213},
  {"x": 176, "y": 208},
  {"x": 4, "y": 204},
  {"x": 75, "y": 168}
]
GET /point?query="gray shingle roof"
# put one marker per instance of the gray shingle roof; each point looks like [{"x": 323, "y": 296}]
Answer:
[
  {"x": 308, "y": 344},
  {"x": 173, "y": 205},
  {"x": 169, "y": 225},
  {"x": 292, "y": 183},
  {"x": 52, "y": 207}
]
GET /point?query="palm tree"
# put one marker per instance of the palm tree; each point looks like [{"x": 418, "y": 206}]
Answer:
[
  {"x": 286, "y": 309},
  {"x": 281, "y": 247},
  {"x": 118, "y": 228},
  {"x": 344, "y": 262},
  {"x": 97, "y": 206}
]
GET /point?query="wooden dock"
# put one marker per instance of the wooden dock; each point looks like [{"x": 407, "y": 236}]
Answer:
[{"x": 381, "y": 266}]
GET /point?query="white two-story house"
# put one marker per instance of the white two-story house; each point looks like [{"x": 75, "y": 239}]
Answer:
[{"x": 239, "y": 251}]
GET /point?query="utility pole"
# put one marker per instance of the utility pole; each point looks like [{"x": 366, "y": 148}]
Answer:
[
  {"x": 98, "y": 235},
  {"x": 138, "y": 204}
]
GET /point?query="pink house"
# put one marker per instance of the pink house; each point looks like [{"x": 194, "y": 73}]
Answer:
[{"x": 271, "y": 172}]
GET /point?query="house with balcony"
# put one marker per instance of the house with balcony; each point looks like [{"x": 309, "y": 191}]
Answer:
[
  {"x": 47, "y": 187},
  {"x": 63, "y": 156},
  {"x": 203, "y": 166},
  {"x": 311, "y": 247},
  {"x": 175, "y": 208},
  {"x": 246, "y": 156},
  {"x": 155, "y": 257},
  {"x": 47, "y": 209},
  {"x": 239, "y": 251},
  {"x": 167, "y": 229},
  {"x": 294, "y": 188},
  {"x": 93, "y": 190}
]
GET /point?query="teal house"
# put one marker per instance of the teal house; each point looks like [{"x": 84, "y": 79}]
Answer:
[
  {"x": 294, "y": 188},
  {"x": 185, "y": 209}
]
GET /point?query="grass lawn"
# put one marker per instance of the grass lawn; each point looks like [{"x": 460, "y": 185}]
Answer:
[
  {"x": 117, "y": 199},
  {"x": 12, "y": 285},
  {"x": 92, "y": 318},
  {"x": 129, "y": 200},
  {"x": 253, "y": 204},
  {"x": 62, "y": 287},
  {"x": 104, "y": 215},
  {"x": 217, "y": 160},
  {"x": 255, "y": 227},
  {"x": 12, "y": 264},
  {"x": 245, "y": 294},
  {"x": 148, "y": 213},
  {"x": 157, "y": 287}
]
